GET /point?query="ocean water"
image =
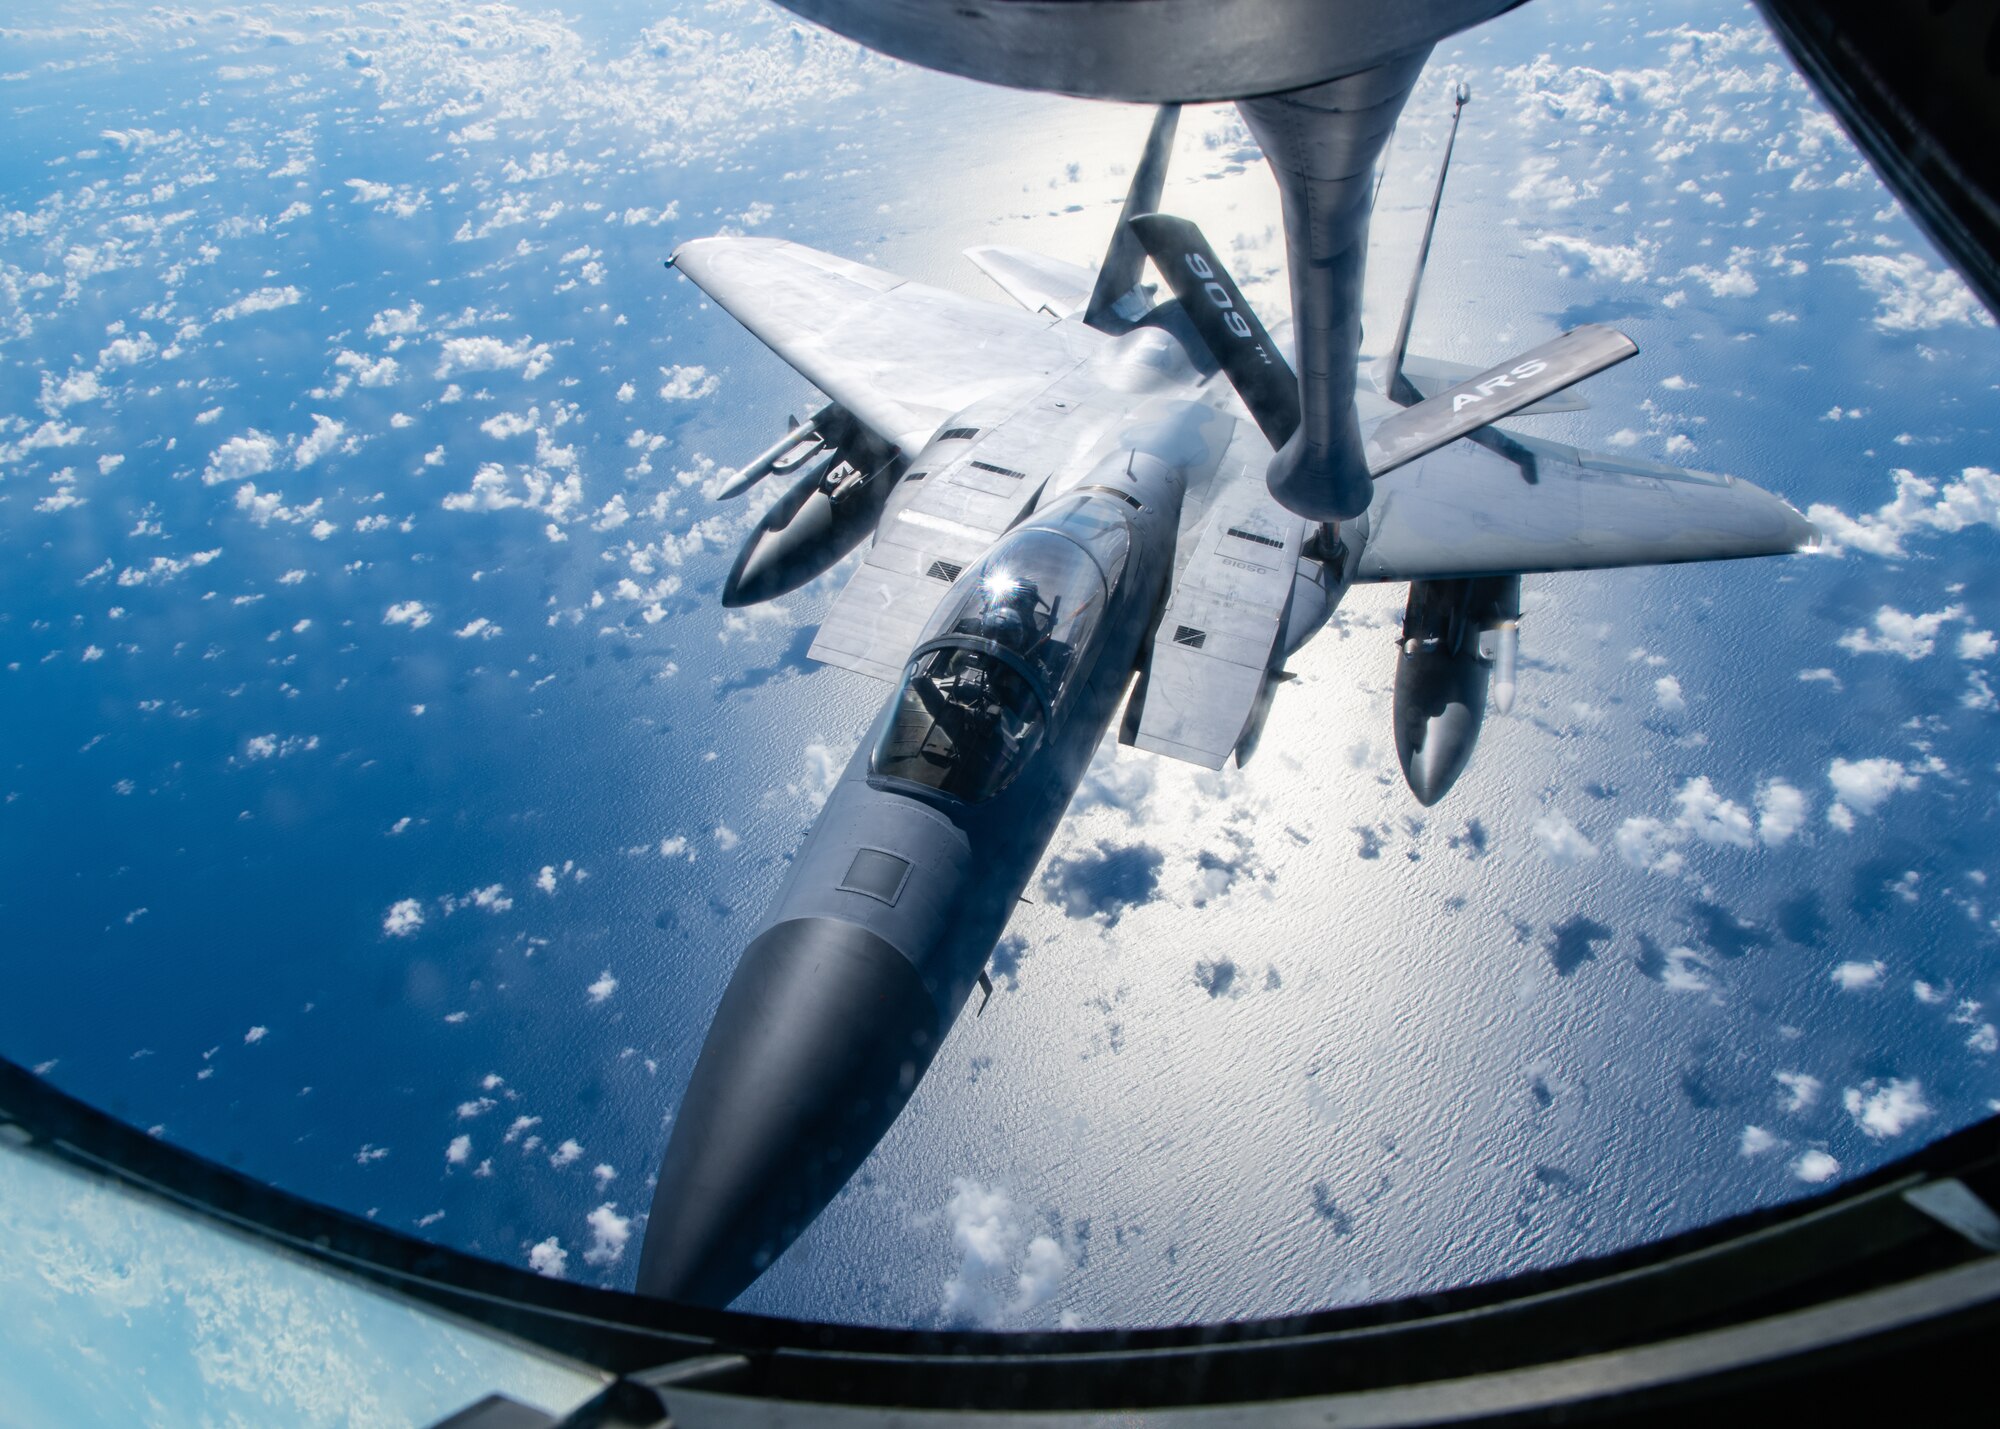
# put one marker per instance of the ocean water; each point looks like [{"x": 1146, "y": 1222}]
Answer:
[{"x": 399, "y": 850}]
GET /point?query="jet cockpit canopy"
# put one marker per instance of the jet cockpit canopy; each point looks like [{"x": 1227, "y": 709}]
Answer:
[{"x": 1008, "y": 649}]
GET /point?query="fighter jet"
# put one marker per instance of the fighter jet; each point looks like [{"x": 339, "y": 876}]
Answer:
[{"x": 1070, "y": 522}]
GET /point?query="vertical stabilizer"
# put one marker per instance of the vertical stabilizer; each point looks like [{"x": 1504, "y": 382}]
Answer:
[
  {"x": 1124, "y": 259},
  {"x": 1401, "y": 389}
]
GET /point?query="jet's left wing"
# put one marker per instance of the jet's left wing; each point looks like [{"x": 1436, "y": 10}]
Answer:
[{"x": 899, "y": 356}]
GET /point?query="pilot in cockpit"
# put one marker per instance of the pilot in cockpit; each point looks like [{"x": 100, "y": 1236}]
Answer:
[{"x": 1012, "y": 612}]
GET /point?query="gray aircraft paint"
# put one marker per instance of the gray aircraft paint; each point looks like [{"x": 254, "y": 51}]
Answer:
[{"x": 994, "y": 418}]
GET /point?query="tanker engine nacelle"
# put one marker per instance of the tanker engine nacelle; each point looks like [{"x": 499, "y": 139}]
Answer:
[
  {"x": 1458, "y": 635},
  {"x": 826, "y": 513}
]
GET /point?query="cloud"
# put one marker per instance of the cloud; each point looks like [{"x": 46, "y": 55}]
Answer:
[
  {"x": 1857, "y": 976},
  {"x": 398, "y": 200},
  {"x": 1002, "y": 1273},
  {"x": 519, "y": 1127},
  {"x": 1756, "y": 1141},
  {"x": 403, "y": 918},
  {"x": 492, "y": 898},
  {"x": 270, "y": 746},
  {"x": 1920, "y": 506},
  {"x": 1781, "y": 811},
  {"x": 1710, "y": 817},
  {"x": 1563, "y": 844},
  {"x": 1667, "y": 694},
  {"x": 323, "y": 438},
  {"x": 1680, "y": 969},
  {"x": 686, "y": 384},
  {"x": 49, "y": 434},
  {"x": 264, "y": 300},
  {"x": 609, "y": 1233},
  {"x": 77, "y": 387},
  {"x": 397, "y": 322},
  {"x": 560, "y": 499},
  {"x": 408, "y": 612},
  {"x": 1542, "y": 181},
  {"x": 1814, "y": 1167},
  {"x": 164, "y": 568},
  {"x": 1883, "y": 1109},
  {"x": 490, "y": 354},
  {"x": 1861, "y": 785},
  {"x": 1734, "y": 281},
  {"x": 1913, "y": 296},
  {"x": 369, "y": 371},
  {"x": 1977, "y": 645},
  {"x": 605, "y": 985},
  {"x": 479, "y": 627},
  {"x": 1898, "y": 633},
  {"x": 459, "y": 1151},
  {"x": 1702, "y": 813},
  {"x": 251, "y": 454},
  {"x": 567, "y": 1153},
  {"x": 255, "y": 1035},
  {"x": 511, "y": 424},
  {"x": 1801, "y": 1090},
  {"x": 1620, "y": 263},
  {"x": 822, "y": 771},
  {"x": 548, "y": 1258}
]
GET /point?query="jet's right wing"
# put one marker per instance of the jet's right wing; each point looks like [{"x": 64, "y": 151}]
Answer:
[
  {"x": 899, "y": 356},
  {"x": 1464, "y": 511}
]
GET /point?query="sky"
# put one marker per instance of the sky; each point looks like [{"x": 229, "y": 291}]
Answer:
[{"x": 391, "y": 797}]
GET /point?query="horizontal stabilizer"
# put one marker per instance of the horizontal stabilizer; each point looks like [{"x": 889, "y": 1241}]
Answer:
[
  {"x": 1039, "y": 284},
  {"x": 1495, "y": 393},
  {"x": 1213, "y": 302},
  {"x": 1432, "y": 375}
]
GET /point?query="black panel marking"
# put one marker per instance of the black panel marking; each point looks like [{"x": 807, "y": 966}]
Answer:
[
  {"x": 1214, "y": 304},
  {"x": 916, "y": 476},
  {"x": 877, "y": 874},
  {"x": 958, "y": 434},
  {"x": 944, "y": 571},
  {"x": 1187, "y": 635},
  {"x": 1258, "y": 537},
  {"x": 998, "y": 470}
]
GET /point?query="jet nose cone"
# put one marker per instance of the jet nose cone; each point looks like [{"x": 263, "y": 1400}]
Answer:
[{"x": 821, "y": 1036}]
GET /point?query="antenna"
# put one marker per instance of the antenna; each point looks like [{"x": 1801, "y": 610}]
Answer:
[{"x": 1400, "y": 387}]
